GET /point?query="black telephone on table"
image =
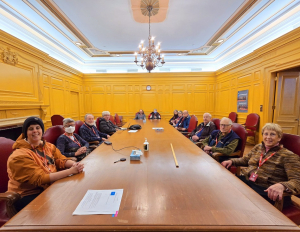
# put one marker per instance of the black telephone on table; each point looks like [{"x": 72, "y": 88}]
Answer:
[{"x": 135, "y": 127}]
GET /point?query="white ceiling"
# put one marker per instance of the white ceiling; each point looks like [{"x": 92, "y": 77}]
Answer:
[{"x": 107, "y": 28}]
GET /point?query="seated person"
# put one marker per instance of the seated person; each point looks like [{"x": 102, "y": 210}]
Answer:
[
  {"x": 172, "y": 120},
  {"x": 89, "y": 132},
  {"x": 105, "y": 125},
  {"x": 140, "y": 115},
  {"x": 224, "y": 141},
  {"x": 154, "y": 115},
  {"x": 179, "y": 118},
  {"x": 271, "y": 168},
  {"x": 71, "y": 144},
  {"x": 35, "y": 163},
  {"x": 204, "y": 129},
  {"x": 184, "y": 123}
]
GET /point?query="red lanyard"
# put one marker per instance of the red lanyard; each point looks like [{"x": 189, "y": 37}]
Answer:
[
  {"x": 91, "y": 129},
  {"x": 266, "y": 159},
  {"x": 75, "y": 140},
  {"x": 45, "y": 161},
  {"x": 199, "y": 130}
]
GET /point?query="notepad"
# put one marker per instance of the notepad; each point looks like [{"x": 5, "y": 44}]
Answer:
[{"x": 132, "y": 131}]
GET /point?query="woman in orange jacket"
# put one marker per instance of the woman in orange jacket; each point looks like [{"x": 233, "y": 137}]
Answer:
[{"x": 35, "y": 163}]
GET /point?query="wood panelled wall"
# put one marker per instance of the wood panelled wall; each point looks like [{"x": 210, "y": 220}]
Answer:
[
  {"x": 125, "y": 94},
  {"x": 40, "y": 85},
  {"x": 37, "y": 85},
  {"x": 256, "y": 72}
]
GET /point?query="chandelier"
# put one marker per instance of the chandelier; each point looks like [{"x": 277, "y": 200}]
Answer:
[{"x": 150, "y": 56}]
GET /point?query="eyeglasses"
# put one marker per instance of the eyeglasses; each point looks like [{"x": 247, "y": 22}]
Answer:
[{"x": 224, "y": 125}]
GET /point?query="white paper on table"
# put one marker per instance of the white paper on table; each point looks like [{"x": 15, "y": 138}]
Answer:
[
  {"x": 132, "y": 131},
  {"x": 157, "y": 128},
  {"x": 100, "y": 202}
]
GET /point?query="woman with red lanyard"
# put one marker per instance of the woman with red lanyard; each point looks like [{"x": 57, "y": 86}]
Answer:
[
  {"x": 35, "y": 164},
  {"x": 71, "y": 144},
  {"x": 270, "y": 169}
]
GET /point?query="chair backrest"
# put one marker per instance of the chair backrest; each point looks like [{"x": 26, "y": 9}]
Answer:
[
  {"x": 97, "y": 123},
  {"x": 111, "y": 118},
  {"x": 233, "y": 116},
  {"x": 242, "y": 133},
  {"x": 291, "y": 142},
  {"x": 57, "y": 120},
  {"x": 149, "y": 116},
  {"x": 216, "y": 121},
  {"x": 6, "y": 150},
  {"x": 117, "y": 119},
  {"x": 252, "y": 122},
  {"x": 78, "y": 124},
  {"x": 52, "y": 133},
  {"x": 193, "y": 123}
]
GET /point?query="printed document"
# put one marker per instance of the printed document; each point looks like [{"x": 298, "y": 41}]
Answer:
[{"x": 100, "y": 202}]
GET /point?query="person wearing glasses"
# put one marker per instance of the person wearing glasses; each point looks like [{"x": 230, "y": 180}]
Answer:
[
  {"x": 224, "y": 140},
  {"x": 270, "y": 169}
]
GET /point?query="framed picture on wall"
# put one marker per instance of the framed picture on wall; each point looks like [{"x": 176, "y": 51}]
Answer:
[{"x": 242, "y": 101}]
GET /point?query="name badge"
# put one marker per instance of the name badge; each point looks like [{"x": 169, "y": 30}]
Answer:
[{"x": 253, "y": 177}]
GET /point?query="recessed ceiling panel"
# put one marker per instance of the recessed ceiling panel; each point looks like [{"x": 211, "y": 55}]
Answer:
[{"x": 110, "y": 25}]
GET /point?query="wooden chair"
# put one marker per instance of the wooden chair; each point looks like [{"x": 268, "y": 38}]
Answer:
[
  {"x": 52, "y": 133},
  {"x": 98, "y": 123},
  {"x": 57, "y": 120},
  {"x": 193, "y": 124},
  {"x": 242, "y": 133},
  {"x": 78, "y": 124},
  {"x": 118, "y": 121},
  {"x": 111, "y": 118},
  {"x": 233, "y": 117},
  {"x": 292, "y": 143},
  {"x": 216, "y": 121},
  {"x": 252, "y": 125},
  {"x": 7, "y": 199}
]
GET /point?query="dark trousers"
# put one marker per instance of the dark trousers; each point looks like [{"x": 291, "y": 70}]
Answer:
[
  {"x": 20, "y": 204},
  {"x": 260, "y": 190}
]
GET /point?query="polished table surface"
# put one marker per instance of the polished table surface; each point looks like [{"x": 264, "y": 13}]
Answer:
[{"x": 199, "y": 195}]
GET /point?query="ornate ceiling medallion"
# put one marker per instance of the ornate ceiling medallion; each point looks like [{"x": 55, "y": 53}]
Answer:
[{"x": 146, "y": 3}]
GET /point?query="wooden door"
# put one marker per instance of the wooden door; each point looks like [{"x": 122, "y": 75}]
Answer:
[
  {"x": 287, "y": 102},
  {"x": 75, "y": 106}
]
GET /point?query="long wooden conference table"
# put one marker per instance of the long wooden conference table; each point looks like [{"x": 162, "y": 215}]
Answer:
[{"x": 199, "y": 195}]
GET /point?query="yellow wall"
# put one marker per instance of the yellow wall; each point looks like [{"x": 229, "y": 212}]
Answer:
[
  {"x": 125, "y": 94},
  {"x": 40, "y": 85},
  {"x": 256, "y": 72},
  {"x": 37, "y": 84}
]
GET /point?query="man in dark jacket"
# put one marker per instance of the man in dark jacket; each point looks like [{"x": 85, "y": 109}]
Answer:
[
  {"x": 204, "y": 129},
  {"x": 105, "y": 125},
  {"x": 224, "y": 141},
  {"x": 89, "y": 132}
]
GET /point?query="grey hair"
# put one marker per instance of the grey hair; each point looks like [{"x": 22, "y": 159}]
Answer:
[
  {"x": 207, "y": 114},
  {"x": 179, "y": 111},
  {"x": 85, "y": 116},
  {"x": 67, "y": 120},
  {"x": 105, "y": 113},
  {"x": 274, "y": 127},
  {"x": 230, "y": 121}
]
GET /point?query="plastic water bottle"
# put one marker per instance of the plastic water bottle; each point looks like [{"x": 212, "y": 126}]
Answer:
[
  {"x": 146, "y": 145},
  {"x": 144, "y": 120}
]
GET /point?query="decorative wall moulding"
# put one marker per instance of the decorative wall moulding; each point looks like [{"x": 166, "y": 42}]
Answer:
[
  {"x": 14, "y": 121},
  {"x": 9, "y": 57}
]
